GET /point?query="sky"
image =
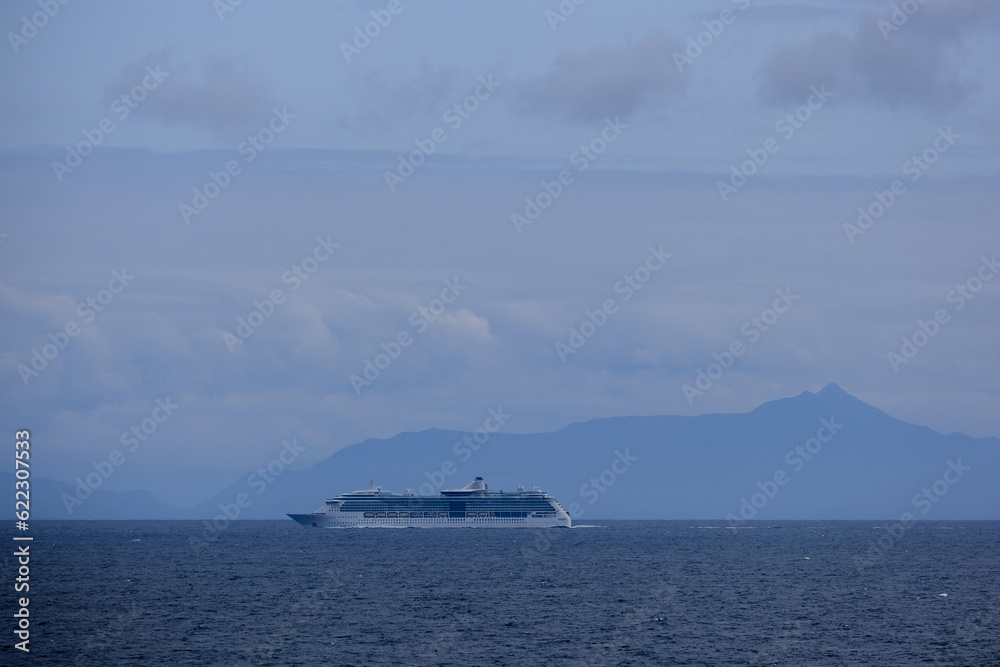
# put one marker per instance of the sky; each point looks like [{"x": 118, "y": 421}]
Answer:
[{"x": 231, "y": 224}]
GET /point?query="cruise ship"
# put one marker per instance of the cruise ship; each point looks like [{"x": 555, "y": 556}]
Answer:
[{"x": 472, "y": 506}]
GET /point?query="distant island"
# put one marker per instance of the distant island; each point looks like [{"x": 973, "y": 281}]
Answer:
[{"x": 823, "y": 455}]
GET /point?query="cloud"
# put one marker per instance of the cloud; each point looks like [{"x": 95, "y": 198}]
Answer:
[
  {"x": 920, "y": 64},
  {"x": 606, "y": 81},
  {"x": 220, "y": 94}
]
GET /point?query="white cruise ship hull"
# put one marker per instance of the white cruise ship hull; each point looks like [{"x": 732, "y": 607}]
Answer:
[
  {"x": 346, "y": 520},
  {"x": 472, "y": 506}
]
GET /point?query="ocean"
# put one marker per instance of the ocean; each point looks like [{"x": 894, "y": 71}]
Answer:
[{"x": 614, "y": 593}]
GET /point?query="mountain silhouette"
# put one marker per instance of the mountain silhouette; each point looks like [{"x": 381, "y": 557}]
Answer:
[{"x": 823, "y": 455}]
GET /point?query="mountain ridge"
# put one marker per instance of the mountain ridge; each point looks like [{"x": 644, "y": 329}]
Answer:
[{"x": 866, "y": 464}]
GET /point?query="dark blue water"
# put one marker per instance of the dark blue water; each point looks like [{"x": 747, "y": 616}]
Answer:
[{"x": 628, "y": 593}]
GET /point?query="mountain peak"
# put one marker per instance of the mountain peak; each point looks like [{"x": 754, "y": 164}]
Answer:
[
  {"x": 831, "y": 396},
  {"x": 828, "y": 392},
  {"x": 832, "y": 389}
]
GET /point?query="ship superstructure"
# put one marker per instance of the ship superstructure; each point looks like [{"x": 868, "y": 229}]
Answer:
[{"x": 472, "y": 506}]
